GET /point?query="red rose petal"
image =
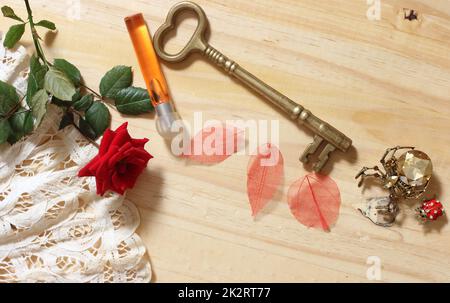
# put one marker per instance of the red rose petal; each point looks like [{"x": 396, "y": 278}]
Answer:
[
  {"x": 108, "y": 136},
  {"x": 132, "y": 162},
  {"x": 124, "y": 126},
  {"x": 87, "y": 170},
  {"x": 118, "y": 184},
  {"x": 136, "y": 152},
  {"x": 139, "y": 142},
  {"x": 119, "y": 153},
  {"x": 122, "y": 137}
]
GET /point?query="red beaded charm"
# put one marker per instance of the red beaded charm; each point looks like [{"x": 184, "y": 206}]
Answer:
[{"x": 431, "y": 210}]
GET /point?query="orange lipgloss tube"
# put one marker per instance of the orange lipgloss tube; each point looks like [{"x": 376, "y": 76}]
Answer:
[{"x": 152, "y": 73}]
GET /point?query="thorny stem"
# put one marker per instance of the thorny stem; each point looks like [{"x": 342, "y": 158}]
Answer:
[
  {"x": 92, "y": 91},
  {"x": 35, "y": 35},
  {"x": 73, "y": 110},
  {"x": 87, "y": 138},
  {"x": 22, "y": 112}
]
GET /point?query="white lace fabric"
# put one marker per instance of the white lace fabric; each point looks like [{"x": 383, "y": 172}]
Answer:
[{"x": 53, "y": 226}]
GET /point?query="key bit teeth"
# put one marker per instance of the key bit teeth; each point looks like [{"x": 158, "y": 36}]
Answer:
[
  {"x": 311, "y": 149},
  {"x": 323, "y": 157}
]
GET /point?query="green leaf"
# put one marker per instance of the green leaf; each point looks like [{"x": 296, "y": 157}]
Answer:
[
  {"x": 86, "y": 129},
  {"x": 71, "y": 71},
  {"x": 47, "y": 24},
  {"x": 22, "y": 121},
  {"x": 98, "y": 117},
  {"x": 59, "y": 85},
  {"x": 66, "y": 120},
  {"x": 84, "y": 103},
  {"x": 8, "y": 98},
  {"x": 36, "y": 77},
  {"x": 32, "y": 88},
  {"x": 77, "y": 95},
  {"x": 75, "y": 98},
  {"x": 38, "y": 71},
  {"x": 13, "y": 35},
  {"x": 118, "y": 78},
  {"x": 133, "y": 101},
  {"x": 5, "y": 131},
  {"x": 9, "y": 13},
  {"x": 38, "y": 105},
  {"x": 21, "y": 124}
]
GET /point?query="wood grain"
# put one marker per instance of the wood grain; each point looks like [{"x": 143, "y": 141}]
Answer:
[{"x": 383, "y": 83}]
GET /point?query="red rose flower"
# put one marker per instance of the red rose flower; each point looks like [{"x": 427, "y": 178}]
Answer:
[{"x": 120, "y": 161}]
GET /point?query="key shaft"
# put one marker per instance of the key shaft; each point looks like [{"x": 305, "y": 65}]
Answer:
[{"x": 295, "y": 111}]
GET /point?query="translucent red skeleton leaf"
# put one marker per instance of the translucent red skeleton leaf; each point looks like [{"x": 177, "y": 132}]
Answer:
[
  {"x": 264, "y": 176},
  {"x": 314, "y": 201}
]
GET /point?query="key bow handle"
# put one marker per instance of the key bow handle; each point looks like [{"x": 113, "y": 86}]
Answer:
[{"x": 197, "y": 43}]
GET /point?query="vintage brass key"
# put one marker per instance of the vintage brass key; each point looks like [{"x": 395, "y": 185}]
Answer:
[{"x": 324, "y": 133}]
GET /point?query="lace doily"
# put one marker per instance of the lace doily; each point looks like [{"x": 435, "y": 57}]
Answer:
[{"x": 53, "y": 227}]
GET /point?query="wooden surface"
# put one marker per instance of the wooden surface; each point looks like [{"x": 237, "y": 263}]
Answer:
[{"x": 383, "y": 83}]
